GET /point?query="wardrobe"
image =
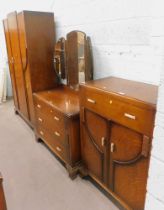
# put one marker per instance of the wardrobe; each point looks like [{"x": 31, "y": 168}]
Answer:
[{"x": 30, "y": 39}]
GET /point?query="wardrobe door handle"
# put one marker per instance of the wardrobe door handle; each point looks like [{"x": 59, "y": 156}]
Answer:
[
  {"x": 12, "y": 60},
  {"x": 26, "y": 61},
  {"x": 132, "y": 117},
  {"x": 91, "y": 100}
]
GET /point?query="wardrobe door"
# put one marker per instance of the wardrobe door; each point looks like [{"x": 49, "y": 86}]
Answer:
[
  {"x": 40, "y": 40},
  {"x": 19, "y": 74},
  {"x": 128, "y": 165},
  {"x": 25, "y": 65},
  {"x": 10, "y": 62},
  {"x": 94, "y": 135}
]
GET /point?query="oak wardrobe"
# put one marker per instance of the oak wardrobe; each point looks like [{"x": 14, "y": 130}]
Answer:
[{"x": 30, "y": 39}]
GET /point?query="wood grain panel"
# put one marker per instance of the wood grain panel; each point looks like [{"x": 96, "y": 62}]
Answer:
[
  {"x": 25, "y": 65},
  {"x": 18, "y": 68},
  {"x": 10, "y": 62},
  {"x": 40, "y": 40}
]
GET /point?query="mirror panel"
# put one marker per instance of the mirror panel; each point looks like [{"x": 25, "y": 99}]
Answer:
[
  {"x": 59, "y": 58},
  {"x": 78, "y": 59}
]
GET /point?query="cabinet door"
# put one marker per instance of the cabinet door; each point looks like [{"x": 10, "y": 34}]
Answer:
[
  {"x": 10, "y": 61},
  {"x": 128, "y": 165},
  {"x": 94, "y": 134},
  {"x": 19, "y": 74}
]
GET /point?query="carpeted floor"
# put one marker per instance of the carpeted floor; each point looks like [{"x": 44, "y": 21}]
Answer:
[{"x": 33, "y": 178}]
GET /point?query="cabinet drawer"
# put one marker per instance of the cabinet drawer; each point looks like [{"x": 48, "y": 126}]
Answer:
[
  {"x": 53, "y": 142},
  {"x": 56, "y": 132},
  {"x": 48, "y": 116},
  {"x": 113, "y": 108}
]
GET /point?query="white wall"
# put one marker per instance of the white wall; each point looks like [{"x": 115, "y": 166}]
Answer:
[
  {"x": 120, "y": 34},
  {"x": 155, "y": 195}
]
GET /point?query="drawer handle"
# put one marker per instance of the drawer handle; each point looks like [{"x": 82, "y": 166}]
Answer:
[
  {"x": 112, "y": 147},
  {"x": 110, "y": 101},
  {"x": 57, "y": 134},
  {"x": 103, "y": 141},
  {"x": 56, "y": 118},
  {"x": 39, "y": 106},
  {"x": 41, "y": 132},
  {"x": 58, "y": 149},
  {"x": 40, "y": 119},
  {"x": 130, "y": 116},
  {"x": 91, "y": 101}
]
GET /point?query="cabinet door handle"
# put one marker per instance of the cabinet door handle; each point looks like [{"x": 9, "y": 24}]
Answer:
[
  {"x": 57, "y": 134},
  {"x": 58, "y": 149},
  {"x": 40, "y": 119},
  {"x": 39, "y": 106},
  {"x": 112, "y": 147},
  {"x": 91, "y": 100},
  {"x": 41, "y": 132},
  {"x": 103, "y": 141},
  {"x": 130, "y": 116},
  {"x": 56, "y": 118}
]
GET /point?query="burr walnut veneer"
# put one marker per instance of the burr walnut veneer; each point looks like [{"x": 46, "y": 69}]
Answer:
[{"x": 117, "y": 120}]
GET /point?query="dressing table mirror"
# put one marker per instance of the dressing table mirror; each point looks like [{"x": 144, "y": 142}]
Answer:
[{"x": 78, "y": 59}]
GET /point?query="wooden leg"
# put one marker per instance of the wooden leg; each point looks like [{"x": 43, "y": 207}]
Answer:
[
  {"x": 72, "y": 171},
  {"x": 16, "y": 112},
  {"x": 83, "y": 172},
  {"x": 37, "y": 138}
]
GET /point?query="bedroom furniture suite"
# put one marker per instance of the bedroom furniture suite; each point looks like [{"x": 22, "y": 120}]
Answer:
[
  {"x": 2, "y": 197},
  {"x": 99, "y": 128},
  {"x": 117, "y": 120},
  {"x": 38, "y": 93}
]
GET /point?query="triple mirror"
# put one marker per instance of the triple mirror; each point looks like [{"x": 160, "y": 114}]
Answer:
[{"x": 73, "y": 58}]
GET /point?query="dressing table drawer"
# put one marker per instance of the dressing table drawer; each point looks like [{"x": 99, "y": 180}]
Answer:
[
  {"x": 47, "y": 116},
  {"x": 57, "y": 145}
]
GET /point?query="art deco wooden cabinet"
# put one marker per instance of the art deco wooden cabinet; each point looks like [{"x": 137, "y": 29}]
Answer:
[
  {"x": 117, "y": 119},
  {"x": 30, "y": 39}
]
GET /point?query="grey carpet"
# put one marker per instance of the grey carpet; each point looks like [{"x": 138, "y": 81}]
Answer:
[{"x": 33, "y": 178}]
